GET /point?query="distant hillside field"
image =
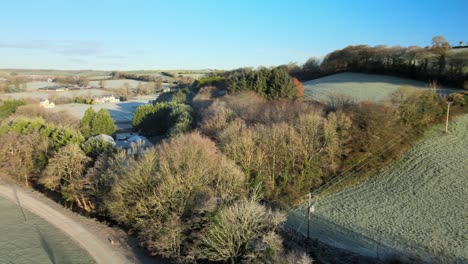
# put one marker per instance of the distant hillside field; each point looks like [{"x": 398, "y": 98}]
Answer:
[
  {"x": 43, "y": 72},
  {"x": 33, "y": 86},
  {"x": 359, "y": 86},
  {"x": 418, "y": 205},
  {"x": 48, "y": 94},
  {"x": 115, "y": 84}
]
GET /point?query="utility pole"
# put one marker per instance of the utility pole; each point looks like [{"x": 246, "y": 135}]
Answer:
[
  {"x": 448, "y": 112},
  {"x": 310, "y": 208}
]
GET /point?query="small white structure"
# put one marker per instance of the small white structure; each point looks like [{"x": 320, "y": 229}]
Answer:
[
  {"x": 105, "y": 138},
  {"x": 106, "y": 99},
  {"x": 166, "y": 87},
  {"x": 49, "y": 80},
  {"x": 110, "y": 99},
  {"x": 45, "y": 103}
]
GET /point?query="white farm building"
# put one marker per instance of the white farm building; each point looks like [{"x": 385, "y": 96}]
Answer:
[{"x": 45, "y": 103}]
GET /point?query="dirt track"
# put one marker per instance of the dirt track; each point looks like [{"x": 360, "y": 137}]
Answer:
[{"x": 100, "y": 250}]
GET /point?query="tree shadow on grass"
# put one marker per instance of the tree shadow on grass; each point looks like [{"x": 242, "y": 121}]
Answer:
[{"x": 338, "y": 236}]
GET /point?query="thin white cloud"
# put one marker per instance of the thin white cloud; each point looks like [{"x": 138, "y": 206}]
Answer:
[
  {"x": 77, "y": 60},
  {"x": 63, "y": 47},
  {"x": 114, "y": 57}
]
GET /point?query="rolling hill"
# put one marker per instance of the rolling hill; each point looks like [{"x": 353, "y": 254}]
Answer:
[
  {"x": 417, "y": 206},
  {"x": 359, "y": 86}
]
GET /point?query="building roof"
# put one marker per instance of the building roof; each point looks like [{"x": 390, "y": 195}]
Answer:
[
  {"x": 126, "y": 143},
  {"x": 105, "y": 138}
]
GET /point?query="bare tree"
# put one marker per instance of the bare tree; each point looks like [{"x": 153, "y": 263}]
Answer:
[
  {"x": 235, "y": 230},
  {"x": 64, "y": 173},
  {"x": 440, "y": 41}
]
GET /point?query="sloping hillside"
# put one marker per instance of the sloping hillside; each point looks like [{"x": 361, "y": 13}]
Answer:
[
  {"x": 418, "y": 205},
  {"x": 359, "y": 86}
]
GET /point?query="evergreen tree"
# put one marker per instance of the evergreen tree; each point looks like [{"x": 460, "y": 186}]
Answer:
[
  {"x": 273, "y": 83},
  {"x": 86, "y": 122},
  {"x": 102, "y": 123}
]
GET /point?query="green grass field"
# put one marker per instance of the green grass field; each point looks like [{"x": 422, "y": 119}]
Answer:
[
  {"x": 359, "y": 86},
  {"x": 34, "y": 240},
  {"x": 418, "y": 205}
]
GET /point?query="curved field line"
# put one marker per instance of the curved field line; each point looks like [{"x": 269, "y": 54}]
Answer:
[{"x": 100, "y": 250}]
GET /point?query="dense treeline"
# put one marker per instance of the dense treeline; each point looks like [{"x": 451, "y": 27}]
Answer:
[
  {"x": 437, "y": 63},
  {"x": 93, "y": 123},
  {"x": 14, "y": 84},
  {"x": 74, "y": 80},
  {"x": 289, "y": 148},
  {"x": 27, "y": 144},
  {"x": 163, "y": 118},
  {"x": 137, "y": 77},
  {"x": 217, "y": 81},
  {"x": 189, "y": 202},
  {"x": 272, "y": 83},
  {"x": 184, "y": 198},
  {"x": 168, "y": 116},
  {"x": 158, "y": 80},
  {"x": 425, "y": 64},
  {"x": 30, "y": 142}
]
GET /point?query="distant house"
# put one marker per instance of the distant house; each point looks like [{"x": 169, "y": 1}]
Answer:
[
  {"x": 45, "y": 103},
  {"x": 56, "y": 88},
  {"x": 166, "y": 87},
  {"x": 106, "y": 99}
]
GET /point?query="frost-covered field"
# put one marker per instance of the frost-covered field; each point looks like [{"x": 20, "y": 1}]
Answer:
[
  {"x": 34, "y": 240},
  {"x": 417, "y": 205},
  {"x": 121, "y": 112},
  {"x": 115, "y": 84},
  {"x": 33, "y": 86},
  {"x": 359, "y": 86},
  {"x": 37, "y": 94}
]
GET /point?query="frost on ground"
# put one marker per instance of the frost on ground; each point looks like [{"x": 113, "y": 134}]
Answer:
[
  {"x": 418, "y": 205},
  {"x": 34, "y": 240},
  {"x": 121, "y": 112},
  {"x": 115, "y": 84},
  {"x": 359, "y": 86}
]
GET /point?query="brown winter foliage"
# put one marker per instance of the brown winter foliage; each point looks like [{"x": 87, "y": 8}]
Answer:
[
  {"x": 188, "y": 201},
  {"x": 291, "y": 147},
  {"x": 299, "y": 87}
]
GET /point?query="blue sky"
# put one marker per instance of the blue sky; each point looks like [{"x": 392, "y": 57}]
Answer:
[{"x": 133, "y": 35}]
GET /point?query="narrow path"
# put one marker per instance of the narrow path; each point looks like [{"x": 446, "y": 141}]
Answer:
[{"x": 100, "y": 250}]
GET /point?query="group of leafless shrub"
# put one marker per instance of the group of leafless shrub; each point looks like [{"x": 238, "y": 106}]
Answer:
[
  {"x": 291, "y": 147},
  {"x": 184, "y": 198},
  {"x": 211, "y": 195}
]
